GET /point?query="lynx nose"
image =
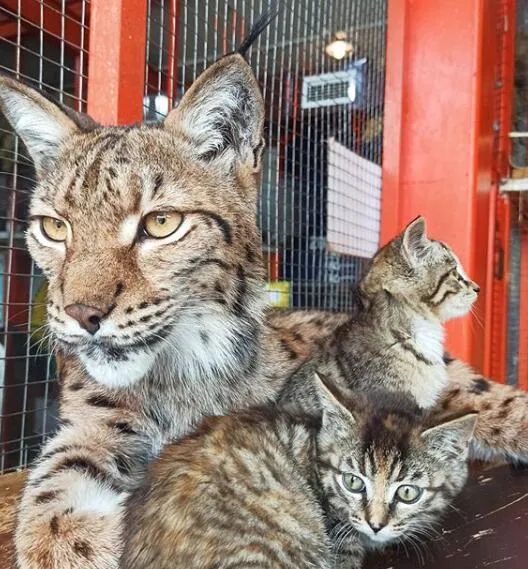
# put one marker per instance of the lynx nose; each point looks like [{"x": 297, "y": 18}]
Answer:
[{"x": 88, "y": 317}]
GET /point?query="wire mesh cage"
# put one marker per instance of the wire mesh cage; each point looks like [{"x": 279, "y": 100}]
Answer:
[
  {"x": 518, "y": 274},
  {"x": 520, "y": 101},
  {"x": 321, "y": 66},
  {"x": 45, "y": 44}
]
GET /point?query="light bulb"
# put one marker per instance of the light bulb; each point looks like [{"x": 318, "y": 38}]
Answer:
[{"x": 339, "y": 47}]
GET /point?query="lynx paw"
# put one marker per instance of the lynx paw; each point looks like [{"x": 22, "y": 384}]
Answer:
[{"x": 69, "y": 541}]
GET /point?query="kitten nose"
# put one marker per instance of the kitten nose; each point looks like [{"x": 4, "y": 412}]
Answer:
[
  {"x": 475, "y": 287},
  {"x": 88, "y": 317},
  {"x": 376, "y": 526}
]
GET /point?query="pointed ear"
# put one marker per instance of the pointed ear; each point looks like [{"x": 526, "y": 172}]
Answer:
[
  {"x": 336, "y": 416},
  {"x": 414, "y": 240},
  {"x": 42, "y": 124},
  {"x": 222, "y": 114},
  {"x": 451, "y": 439}
]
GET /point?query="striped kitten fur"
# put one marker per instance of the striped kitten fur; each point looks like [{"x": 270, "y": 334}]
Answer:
[
  {"x": 172, "y": 329},
  {"x": 257, "y": 489},
  {"x": 395, "y": 338}
]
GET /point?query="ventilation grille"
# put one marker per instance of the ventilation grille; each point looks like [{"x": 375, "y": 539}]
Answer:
[{"x": 329, "y": 89}]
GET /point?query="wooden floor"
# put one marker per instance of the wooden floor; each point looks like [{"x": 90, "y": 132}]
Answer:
[{"x": 487, "y": 528}]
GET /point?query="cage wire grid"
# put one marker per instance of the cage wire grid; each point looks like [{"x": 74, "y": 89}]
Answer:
[
  {"x": 45, "y": 44},
  {"x": 517, "y": 338},
  {"x": 319, "y": 206}
]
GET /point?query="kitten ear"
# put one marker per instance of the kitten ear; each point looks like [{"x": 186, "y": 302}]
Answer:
[
  {"x": 451, "y": 439},
  {"x": 414, "y": 240},
  {"x": 335, "y": 414},
  {"x": 42, "y": 124},
  {"x": 222, "y": 114}
]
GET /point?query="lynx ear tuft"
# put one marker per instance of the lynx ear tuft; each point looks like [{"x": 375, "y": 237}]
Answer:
[{"x": 222, "y": 114}]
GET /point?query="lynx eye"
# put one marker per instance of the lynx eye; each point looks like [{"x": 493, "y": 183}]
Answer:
[
  {"x": 160, "y": 224},
  {"x": 353, "y": 483},
  {"x": 409, "y": 494},
  {"x": 54, "y": 229}
]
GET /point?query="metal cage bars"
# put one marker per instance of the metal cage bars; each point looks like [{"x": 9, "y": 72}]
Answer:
[
  {"x": 318, "y": 220},
  {"x": 46, "y": 44}
]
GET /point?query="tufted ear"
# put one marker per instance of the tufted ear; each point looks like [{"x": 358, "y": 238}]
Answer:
[
  {"x": 450, "y": 440},
  {"x": 414, "y": 240},
  {"x": 222, "y": 114},
  {"x": 42, "y": 124}
]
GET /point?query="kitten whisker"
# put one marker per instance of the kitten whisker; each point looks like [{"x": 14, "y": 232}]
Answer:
[
  {"x": 476, "y": 317},
  {"x": 458, "y": 511},
  {"x": 401, "y": 541},
  {"x": 416, "y": 544}
]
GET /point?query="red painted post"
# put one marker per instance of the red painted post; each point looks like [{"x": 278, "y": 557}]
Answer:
[
  {"x": 439, "y": 134},
  {"x": 172, "y": 55},
  {"x": 116, "y": 72},
  {"x": 394, "y": 96}
]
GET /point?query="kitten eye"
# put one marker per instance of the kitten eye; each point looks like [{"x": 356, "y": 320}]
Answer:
[
  {"x": 409, "y": 494},
  {"x": 353, "y": 483},
  {"x": 160, "y": 224},
  {"x": 53, "y": 228}
]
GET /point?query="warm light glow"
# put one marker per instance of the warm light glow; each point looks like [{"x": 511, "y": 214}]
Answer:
[{"x": 339, "y": 47}]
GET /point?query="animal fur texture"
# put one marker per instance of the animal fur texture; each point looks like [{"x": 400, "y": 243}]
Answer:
[
  {"x": 259, "y": 489},
  {"x": 391, "y": 352},
  {"x": 394, "y": 340},
  {"x": 180, "y": 328}
]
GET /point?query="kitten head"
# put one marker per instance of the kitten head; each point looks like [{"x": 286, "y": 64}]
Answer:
[
  {"x": 424, "y": 272},
  {"x": 143, "y": 231},
  {"x": 382, "y": 469}
]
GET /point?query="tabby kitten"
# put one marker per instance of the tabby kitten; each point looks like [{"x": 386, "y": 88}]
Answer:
[
  {"x": 395, "y": 338},
  {"x": 256, "y": 489}
]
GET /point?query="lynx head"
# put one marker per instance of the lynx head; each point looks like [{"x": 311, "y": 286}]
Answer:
[
  {"x": 383, "y": 471},
  {"x": 147, "y": 234},
  {"x": 423, "y": 272}
]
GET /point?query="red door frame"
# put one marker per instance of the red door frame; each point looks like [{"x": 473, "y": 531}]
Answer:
[{"x": 439, "y": 152}]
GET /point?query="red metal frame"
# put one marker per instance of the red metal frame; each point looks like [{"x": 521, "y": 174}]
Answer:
[
  {"x": 391, "y": 219},
  {"x": 172, "y": 56},
  {"x": 116, "y": 81},
  {"x": 439, "y": 156},
  {"x": 496, "y": 329}
]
